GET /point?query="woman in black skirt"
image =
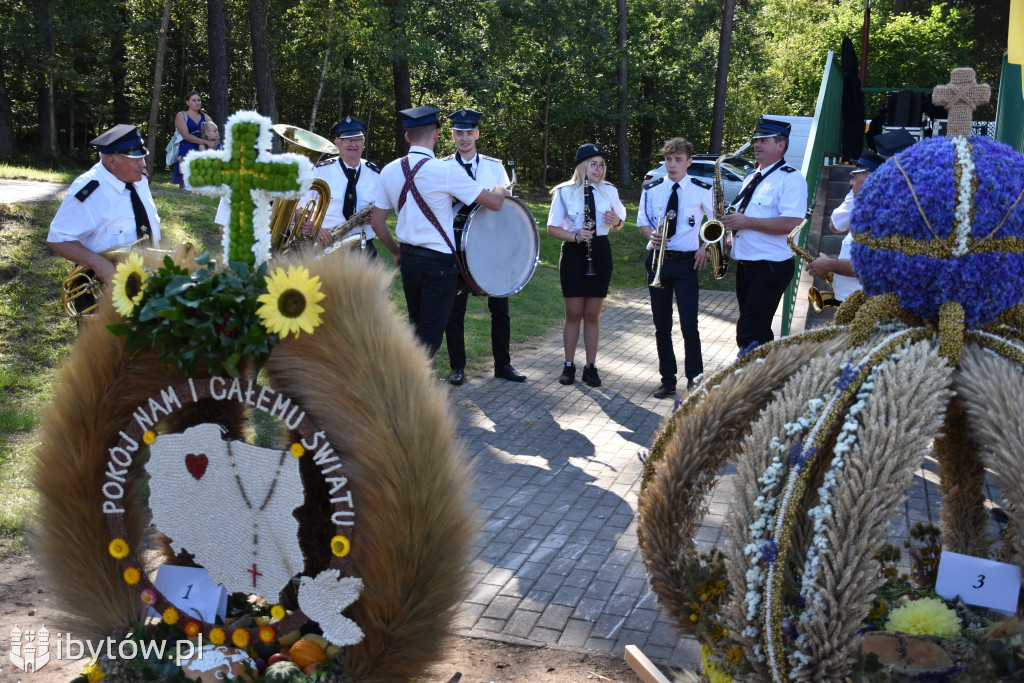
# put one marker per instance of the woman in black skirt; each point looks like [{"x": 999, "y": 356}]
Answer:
[{"x": 584, "y": 294}]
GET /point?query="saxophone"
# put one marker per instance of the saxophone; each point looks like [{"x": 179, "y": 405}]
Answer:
[
  {"x": 712, "y": 231},
  {"x": 338, "y": 233}
]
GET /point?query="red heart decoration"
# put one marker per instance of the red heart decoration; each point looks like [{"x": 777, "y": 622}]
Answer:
[{"x": 196, "y": 465}]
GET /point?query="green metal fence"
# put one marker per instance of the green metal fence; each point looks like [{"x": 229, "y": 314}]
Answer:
[
  {"x": 1010, "y": 107},
  {"x": 823, "y": 141}
]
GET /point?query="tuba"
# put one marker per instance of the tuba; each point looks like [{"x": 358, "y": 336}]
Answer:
[
  {"x": 819, "y": 300},
  {"x": 81, "y": 289},
  {"x": 712, "y": 231},
  {"x": 285, "y": 222}
]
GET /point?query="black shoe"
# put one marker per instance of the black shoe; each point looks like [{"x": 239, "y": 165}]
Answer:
[
  {"x": 457, "y": 377},
  {"x": 590, "y": 375},
  {"x": 690, "y": 384},
  {"x": 664, "y": 390},
  {"x": 568, "y": 374},
  {"x": 508, "y": 372}
]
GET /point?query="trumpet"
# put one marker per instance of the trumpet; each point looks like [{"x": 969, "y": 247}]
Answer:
[
  {"x": 589, "y": 222},
  {"x": 819, "y": 300},
  {"x": 712, "y": 231},
  {"x": 656, "y": 282},
  {"x": 338, "y": 234}
]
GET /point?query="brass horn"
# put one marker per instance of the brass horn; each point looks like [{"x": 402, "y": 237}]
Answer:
[
  {"x": 712, "y": 231},
  {"x": 659, "y": 260},
  {"x": 285, "y": 222},
  {"x": 818, "y": 299}
]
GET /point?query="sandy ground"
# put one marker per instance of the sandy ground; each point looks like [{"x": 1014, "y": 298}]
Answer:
[{"x": 26, "y": 603}]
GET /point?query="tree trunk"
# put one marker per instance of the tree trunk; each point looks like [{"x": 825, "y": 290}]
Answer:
[
  {"x": 646, "y": 125},
  {"x": 217, "y": 36},
  {"x": 7, "y": 144},
  {"x": 547, "y": 132},
  {"x": 263, "y": 70},
  {"x": 323, "y": 69},
  {"x": 400, "y": 69},
  {"x": 722, "y": 78},
  {"x": 346, "y": 92},
  {"x": 622, "y": 124},
  {"x": 45, "y": 75},
  {"x": 119, "y": 67},
  {"x": 158, "y": 83}
]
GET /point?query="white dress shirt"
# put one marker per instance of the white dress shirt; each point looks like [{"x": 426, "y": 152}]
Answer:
[
  {"x": 334, "y": 175},
  {"x": 567, "y": 207},
  {"x": 782, "y": 193},
  {"x": 695, "y": 202}
]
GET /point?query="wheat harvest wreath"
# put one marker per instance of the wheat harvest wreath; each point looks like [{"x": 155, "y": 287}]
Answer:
[{"x": 328, "y": 497}]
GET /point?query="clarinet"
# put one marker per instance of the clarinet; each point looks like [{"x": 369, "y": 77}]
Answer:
[{"x": 588, "y": 222}]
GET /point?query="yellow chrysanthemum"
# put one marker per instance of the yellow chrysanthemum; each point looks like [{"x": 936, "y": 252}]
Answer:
[
  {"x": 217, "y": 635},
  {"x": 924, "y": 617},
  {"x": 149, "y": 437},
  {"x": 340, "y": 546},
  {"x": 118, "y": 548},
  {"x": 277, "y": 613},
  {"x": 290, "y": 303},
  {"x": 240, "y": 637},
  {"x": 298, "y": 450},
  {"x": 132, "y": 576},
  {"x": 129, "y": 284},
  {"x": 171, "y": 616},
  {"x": 93, "y": 672},
  {"x": 714, "y": 673}
]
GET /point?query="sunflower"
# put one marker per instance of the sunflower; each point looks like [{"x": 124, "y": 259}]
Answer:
[
  {"x": 290, "y": 303},
  {"x": 129, "y": 284}
]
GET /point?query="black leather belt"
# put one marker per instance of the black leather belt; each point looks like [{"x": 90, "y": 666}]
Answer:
[
  {"x": 669, "y": 254},
  {"x": 426, "y": 253}
]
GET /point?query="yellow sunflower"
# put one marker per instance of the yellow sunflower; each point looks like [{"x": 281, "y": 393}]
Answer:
[
  {"x": 290, "y": 303},
  {"x": 129, "y": 284}
]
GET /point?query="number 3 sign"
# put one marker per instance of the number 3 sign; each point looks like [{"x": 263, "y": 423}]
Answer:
[{"x": 980, "y": 582}]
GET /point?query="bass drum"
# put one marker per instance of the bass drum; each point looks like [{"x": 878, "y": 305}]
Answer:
[{"x": 499, "y": 250}]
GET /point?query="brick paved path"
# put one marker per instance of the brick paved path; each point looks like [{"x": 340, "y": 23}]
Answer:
[{"x": 557, "y": 561}]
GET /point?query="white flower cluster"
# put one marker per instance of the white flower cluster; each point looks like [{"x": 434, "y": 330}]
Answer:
[{"x": 962, "y": 213}]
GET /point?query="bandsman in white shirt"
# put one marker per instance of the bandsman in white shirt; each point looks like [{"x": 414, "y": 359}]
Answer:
[
  {"x": 489, "y": 172},
  {"x": 420, "y": 189},
  {"x": 107, "y": 206},
  {"x": 771, "y": 203},
  {"x": 353, "y": 182},
  {"x": 685, "y": 203}
]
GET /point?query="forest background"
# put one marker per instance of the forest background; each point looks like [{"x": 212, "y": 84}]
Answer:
[{"x": 549, "y": 74}]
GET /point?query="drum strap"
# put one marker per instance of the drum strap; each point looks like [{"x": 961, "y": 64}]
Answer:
[{"x": 410, "y": 186}]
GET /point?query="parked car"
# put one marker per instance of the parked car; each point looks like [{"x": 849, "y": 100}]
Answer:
[{"x": 734, "y": 170}]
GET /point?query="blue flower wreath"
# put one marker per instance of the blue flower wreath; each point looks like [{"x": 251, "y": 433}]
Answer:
[{"x": 913, "y": 198}]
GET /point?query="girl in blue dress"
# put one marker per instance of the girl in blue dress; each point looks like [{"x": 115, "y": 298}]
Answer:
[{"x": 189, "y": 123}]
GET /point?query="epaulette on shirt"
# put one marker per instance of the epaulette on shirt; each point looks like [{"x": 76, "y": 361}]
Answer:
[
  {"x": 373, "y": 167},
  {"x": 700, "y": 183},
  {"x": 328, "y": 162},
  {"x": 787, "y": 169},
  {"x": 484, "y": 156},
  {"x": 448, "y": 158},
  {"x": 653, "y": 183},
  {"x": 87, "y": 190}
]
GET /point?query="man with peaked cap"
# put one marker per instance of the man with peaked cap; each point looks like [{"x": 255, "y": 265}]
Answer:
[
  {"x": 771, "y": 203},
  {"x": 421, "y": 188},
  {"x": 352, "y": 179},
  {"x": 844, "y": 280},
  {"x": 489, "y": 172},
  {"x": 107, "y": 206}
]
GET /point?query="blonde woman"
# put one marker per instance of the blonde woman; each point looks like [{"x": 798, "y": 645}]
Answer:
[{"x": 584, "y": 294}]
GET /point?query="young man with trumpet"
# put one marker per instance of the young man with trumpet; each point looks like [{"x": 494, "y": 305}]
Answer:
[
  {"x": 353, "y": 182},
  {"x": 489, "y": 172},
  {"x": 672, "y": 209}
]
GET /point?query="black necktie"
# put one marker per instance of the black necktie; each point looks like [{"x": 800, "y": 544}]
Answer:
[
  {"x": 142, "y": 228},
  {"x": 671, "y": 212},
  {"x": 468, "y": 165},
  {"x": 349, "y": 207}
]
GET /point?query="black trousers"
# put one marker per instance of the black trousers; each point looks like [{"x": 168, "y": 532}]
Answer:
[
  {"x": 679, "y": 278},
  {"x": 501, "y": 331},
  {"x": 759, "y": 289},
  {"x": 428, "y": 280}
]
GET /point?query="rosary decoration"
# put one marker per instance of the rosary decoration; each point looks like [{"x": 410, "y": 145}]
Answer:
[
  {"x": 827, "y": 429},
  {"x": 212, "y": 317},
  {"x": 250, "y": 493}
]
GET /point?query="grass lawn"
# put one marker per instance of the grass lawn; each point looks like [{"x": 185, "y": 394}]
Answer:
[{"x": 35, "y": 334}]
